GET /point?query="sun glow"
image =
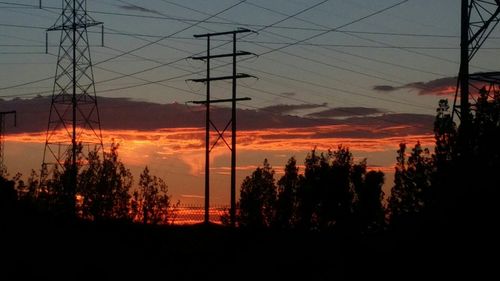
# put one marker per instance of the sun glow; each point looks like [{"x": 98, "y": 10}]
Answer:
[{"x": 178, "y": 155}]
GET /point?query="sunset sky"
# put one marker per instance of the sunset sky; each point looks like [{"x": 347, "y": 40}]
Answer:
[{"x": 369, "y": 85}]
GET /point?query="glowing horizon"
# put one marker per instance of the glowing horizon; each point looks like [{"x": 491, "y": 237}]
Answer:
[{"x": 177, "y": 155}]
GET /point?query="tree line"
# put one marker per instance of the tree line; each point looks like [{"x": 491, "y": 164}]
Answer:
[
  {"x": 331, "y": 194},
  {"x": 104, "y": 191},
  {"x": 455, "y": 186}
]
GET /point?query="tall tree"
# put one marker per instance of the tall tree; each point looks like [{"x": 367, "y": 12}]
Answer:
[
  {"x": 27, "y": 191},
  {"x": 412, "y": 181},
  {"x": 59, "y": 193},
  {"x": 368, "y": 209},
  {"x": 8, "y": 198},
  {"x": 326, "y": 191},
  {"x": 257, "y": 198},
  {"x": 338, "y": 194},
  {"x": 286, "y": 204},
  {"x": 480, "y": 180},
  {"x": 465, "y": 182},
  {"x": 445, "y": 134},
  {"x": 104, "y": 187},
  {"x": 308, "y": 192},
  {"x": 150, "y": 203}
]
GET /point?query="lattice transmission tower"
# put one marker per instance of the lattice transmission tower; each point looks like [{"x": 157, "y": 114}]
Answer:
[
  {"x": 479, "y": 19},
  {"x": 74, "y": 115},
  {"x": 3, "y": 115}
]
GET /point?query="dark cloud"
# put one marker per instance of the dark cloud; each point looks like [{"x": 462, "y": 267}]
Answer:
[
  {"x": 345, "y": 112},
  {"x": 437, "y": 87},
  {"x": 289, "y": 108},
  {"x": 123, "y": 113},
  {"x": 399, "y": 123},
  {"x": 126, "y": 114},
  {"x": 385, "y": 88},
  {"x": 132, "y": 7}
]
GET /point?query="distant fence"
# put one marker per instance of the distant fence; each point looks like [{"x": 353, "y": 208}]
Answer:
[{"x": 193, "y": 214}]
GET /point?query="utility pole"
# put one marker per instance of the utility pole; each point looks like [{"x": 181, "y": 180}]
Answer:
[
  {"x": 74, "y": 115},
  {"x": 478, "y": 19},
  {"x": 2, "y": 132},
  {"x": 209, "y": 124}
]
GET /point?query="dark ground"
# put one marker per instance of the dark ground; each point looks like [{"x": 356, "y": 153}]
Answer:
[{"x": 42, "y": 249}]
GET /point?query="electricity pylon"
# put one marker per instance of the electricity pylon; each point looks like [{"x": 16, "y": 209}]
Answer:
[
  {"x": 74, "y": 115},
  {"x": 2, "y": 132},
  {"x": 479, "y": 19}
]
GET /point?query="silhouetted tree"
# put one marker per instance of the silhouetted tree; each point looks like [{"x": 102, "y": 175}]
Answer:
[
  {"x": 308, "y": 192},
  {"x": 486, "y": 136},
  {"x": 27, "y": 191},
  {"x": 444, "y": 190},
  {"x": 27, "y": 194},
  {"x": 257, "y": 198},
  {"x": 327, "y": 190},
  {"x": 412, "y": 181},
  {"x": 368, "y": 208},
  {"x": 104, "y": 187},
  {"x": 150, "y": 203},
  {"x": 8, "y": 198},
  {"x": 445, "y": 134},
  {"x": 59, "y": 191},
  {"x": 478, "y": 179},
  {"x": 337, "y": 194},
  {"x": 286, "y": 204}
]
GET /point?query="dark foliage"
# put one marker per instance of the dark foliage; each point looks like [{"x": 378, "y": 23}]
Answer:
[
  {"x": 412, "y": 183},
  {"x": 333, "y": 194},
  {"x": 258, "y": 198},
  {"x": 103, "y": 187},
  {"x": 150, "y": 203},
  {"x": 286, "y": 203}
]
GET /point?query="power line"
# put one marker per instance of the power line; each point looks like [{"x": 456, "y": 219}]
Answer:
[
  {"x": 21, "y": 26},
  {"x": 287, "y": 43},
  {"x": 132, "y": 86},
  {"x": 130, "y": 51},
  {"x": 316, "y": 61},
  {"x": 169, "y": 63},
  {"x": 323, "y": 26},
  {"x": 336, "y": 28},
  {"x": 51, "y": 8},
  {"x": 330, "y": 87},
  {"x": 288, "y": 16},
  {"x": 27, "y": 83},
  {"x": 148, "y": 82},
  {"x": 342, "y": 91},
  {"x": 363, "y": 38},
  {"x": 325, "y": 32},
  {"x": 177, "y": 32},
  {"x": 155, "y": 81},
  {"x": 277, "y": 43},
  {"x": 267, "y": 92},
  {"x": 21, "y": 53},
  {"x": 350, "y": 112},
  {"x": 350, "y": 46}
]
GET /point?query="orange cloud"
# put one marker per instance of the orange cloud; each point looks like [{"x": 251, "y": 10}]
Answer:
[
  {"x": 178, "y": 155},
  {"x": 164, "y": 143}
]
